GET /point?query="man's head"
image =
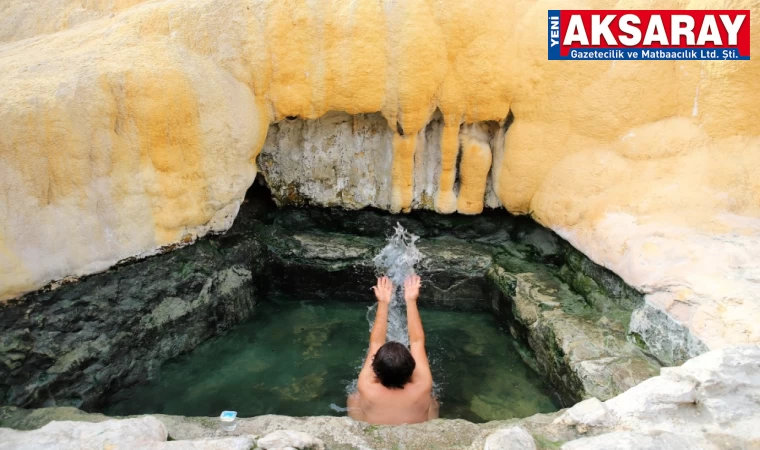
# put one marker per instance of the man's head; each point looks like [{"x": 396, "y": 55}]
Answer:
[{"x": 393, "y": 365}]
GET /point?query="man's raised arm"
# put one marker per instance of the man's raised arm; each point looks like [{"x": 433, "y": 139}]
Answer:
[
  {"x": 383, "y": 293},
  {"x": 416, "y": 333}
]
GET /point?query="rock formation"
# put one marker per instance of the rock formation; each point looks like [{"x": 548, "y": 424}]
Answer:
[
  {"x": 82, "y": 343},
  {"x": 129, "y": 126}
]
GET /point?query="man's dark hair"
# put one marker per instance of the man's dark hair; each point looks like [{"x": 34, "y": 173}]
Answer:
[{"x": 393, "y": 365}]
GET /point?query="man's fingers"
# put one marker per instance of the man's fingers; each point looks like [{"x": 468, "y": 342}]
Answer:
[
  {"x": 384, "y": 284},
  {"x": 412, "y": 281}
]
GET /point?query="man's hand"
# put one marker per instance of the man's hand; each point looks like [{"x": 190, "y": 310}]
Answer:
[
  {"x": 383, "y": 290},
  {"x": 421, "y": 375},
  {"x": 412, "y": 288}
]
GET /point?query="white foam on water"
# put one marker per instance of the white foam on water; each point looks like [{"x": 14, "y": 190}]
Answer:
[{"x": 337, "y": 408}]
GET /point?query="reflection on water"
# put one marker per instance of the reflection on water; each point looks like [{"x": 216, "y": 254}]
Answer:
[{"x": 299, "y": 358}]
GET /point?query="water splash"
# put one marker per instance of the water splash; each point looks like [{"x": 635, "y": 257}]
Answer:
[{"x": 397, "y": 260}]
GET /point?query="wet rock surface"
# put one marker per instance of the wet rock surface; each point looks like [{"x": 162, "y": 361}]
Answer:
[
  {"x": 306, "y": 262},
  {"x": 75, "y": 344},
  {"x": 582, "y": 352},
  {"x": 654, "y": 329}
]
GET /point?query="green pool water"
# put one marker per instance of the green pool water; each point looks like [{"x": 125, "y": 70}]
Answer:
[{"x": 298, "y": 358}]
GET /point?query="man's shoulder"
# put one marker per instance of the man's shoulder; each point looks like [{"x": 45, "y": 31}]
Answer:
[
  {"x": 423, "y": 388},
  {"x": 367, "y": 388},
  {"x": 370, "y": 389},
  {"x": 371, "y": 393},
  {"x": 422, "y": 384}
]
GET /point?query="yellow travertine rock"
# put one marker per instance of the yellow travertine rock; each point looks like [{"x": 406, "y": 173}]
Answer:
[
  {"x": 20, "y": 19},
  {"x": 476, "y": 162},
  {"x": 402, "y": 176},
  {"x": 446, "y": 199},
  {"x": 130, "y": 125}
]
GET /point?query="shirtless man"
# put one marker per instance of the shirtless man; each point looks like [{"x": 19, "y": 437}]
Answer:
[{"x": 395, "y": 385}]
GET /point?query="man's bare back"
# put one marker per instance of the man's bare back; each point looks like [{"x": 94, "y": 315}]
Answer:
[{"x": 395, "y": 384}]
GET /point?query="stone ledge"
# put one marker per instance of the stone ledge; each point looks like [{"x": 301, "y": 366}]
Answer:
[{"x": 582, "y": 353}]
